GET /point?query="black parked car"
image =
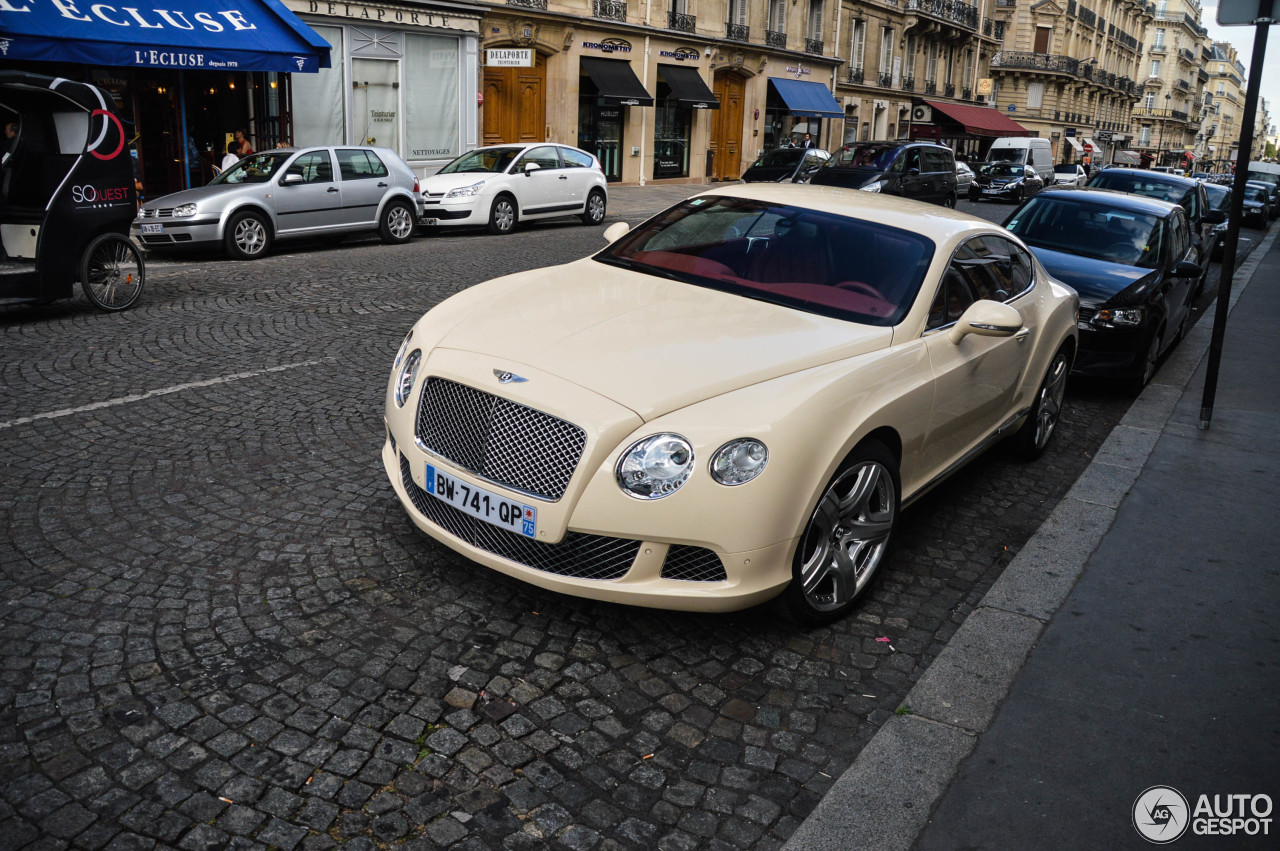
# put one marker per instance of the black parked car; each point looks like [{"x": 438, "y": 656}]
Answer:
[
  {"x": 1219, "y": 199},
  {"x": 1005, "y": 181},
  {"x": 1133, "y": 263},
  {"x": 786, "y": 165},
  {"x": 1256, "y": 209},
  {"x": 1188, "y": 193},
  {"x": 920, "y": 170}
]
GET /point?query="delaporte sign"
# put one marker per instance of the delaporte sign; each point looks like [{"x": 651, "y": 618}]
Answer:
[{"x": 509, "y": 57}]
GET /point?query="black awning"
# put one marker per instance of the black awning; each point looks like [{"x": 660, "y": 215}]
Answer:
[
  {"x": 687, "y": 87},
  {"x": 618, "y": 85}
]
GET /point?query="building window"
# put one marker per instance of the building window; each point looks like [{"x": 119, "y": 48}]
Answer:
[
  {"x": 431, "y": 111},
  {"x": 777, "y": 16},
  {"x": 1155, "y": 68},
  {"x": 671, "y": 133},
  {"x": 1159, "y": 42},
  {"x": 1035, "y": 95},
  {"x": 815, "y": 20},
  {"x": 738, "y": 12},
  {"x": 1144, "y": 135},
  {"x": 931, "y": 63},
  {"x": 857, "y": 44},
  {"x": 1222, "y": 88},
  {"x": 1149, "y": 100},
  {"x": 886, "y": 51}
]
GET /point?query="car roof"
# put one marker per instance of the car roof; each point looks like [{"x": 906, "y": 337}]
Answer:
[
  {"x": 1161, "y": 176},
  {"x": 930, "y": 220},
  {"x": 1125, "y": 201}
]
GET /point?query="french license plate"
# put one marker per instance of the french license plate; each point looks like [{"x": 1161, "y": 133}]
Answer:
[
  {"x": 991, "y": 192},
  {"x": 430, "y": 222},
  {"x": 482, "y": 504},
  {"x": 153, "y": 228}
]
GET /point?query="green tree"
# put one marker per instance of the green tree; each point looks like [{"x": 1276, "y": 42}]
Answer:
[{"x": 1271, "y": 151}]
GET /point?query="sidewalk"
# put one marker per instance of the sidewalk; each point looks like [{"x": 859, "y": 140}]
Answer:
[{"x": 1132, "y": 643}]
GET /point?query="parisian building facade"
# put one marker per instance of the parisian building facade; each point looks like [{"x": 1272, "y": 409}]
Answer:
[{"x": 1176, "y": 55}]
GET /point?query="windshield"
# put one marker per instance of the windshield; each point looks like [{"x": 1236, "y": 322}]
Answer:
[
  {"x": 489, "y": 160},
  {"x": 258, "y": 168},
  {"x": 780, "y": 157},
  {"x": 1001, "y": 170},
  {"x": 1141, "y": 183},
  {"x": 1219, "y": 196},
  {"x": 1264, "y": 176},
  {"x": 1007, "y": 155},
  {"x": 870, "y": 155},
  {"x": 1074, "y": 226},
  {"x": 820, "y": 263},
  {"x": 1256, "y": 194}
]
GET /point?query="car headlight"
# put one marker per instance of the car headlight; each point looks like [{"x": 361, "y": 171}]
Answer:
[
  {"x": 655, "y": 467},
  {"x": 404, "y": 347},
  {"x": 873, "y": 186},
  {"x": 405, "y": 378},
  {"x": 1118, "y": 317},
  {"x": 739, "y": 461},
  {"x": 184, "y": 210},
  {"x": 465, "y": 191}
]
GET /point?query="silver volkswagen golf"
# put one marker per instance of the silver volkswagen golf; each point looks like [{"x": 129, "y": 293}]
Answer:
[{"x": 284, "y": 193}]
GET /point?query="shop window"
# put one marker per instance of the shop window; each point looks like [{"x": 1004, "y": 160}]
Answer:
[
  {"x": 671, "y": 135},
  {"x": 318, "y": 118},
  {"x": 432, "y": 113}
]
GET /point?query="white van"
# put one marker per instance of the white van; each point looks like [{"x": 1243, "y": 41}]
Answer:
[
  {"x": 1268, "y": 173},
  {"x": 1025, "y": 150}
]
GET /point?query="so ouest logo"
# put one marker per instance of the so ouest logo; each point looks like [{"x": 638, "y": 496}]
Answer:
[{"x": 1161, "y": 814}]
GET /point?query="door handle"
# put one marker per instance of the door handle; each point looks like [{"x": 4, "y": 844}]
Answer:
[
  {"x": 564, "y": 177},
  {"x": 382, "y": 184},
  {"x": 332, "y": 189},
  {"x": 1022, "y": 335}
]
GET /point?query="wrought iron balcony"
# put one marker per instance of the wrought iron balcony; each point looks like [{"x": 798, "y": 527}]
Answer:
[
  {"x": 908, "y": 84},
  {"x": 1000, "y": 30},
  {"x": 529, "y": 4},
  {"x": 966, "y": 93},
  {"x": 774, "y": 38},
  {"x": 1187, "y": 56},
  {"x": 1038, "y": 61},
  {"x": 681, "y": 22},
  {"x": 1089, "y": 16},
  {"x": 1071, "y": 8},
  {"x": 813, "y": 45},
  {"x": 855, "y": 76},
  {"x": 950, "y": 90},
  {"x": 1006, "y": 4},
  {"x": 1202, "y": 75},
  {"x": 954, "y": 11},
  {"x": 613, "y": 10},
  {"x": 1182, "y": 85},
  {"x": 1159, "y": 48},
  {"x": 886, "y": 79},
  {"x": 931, "y": 87},
  {"x": 737, "y": 32}
]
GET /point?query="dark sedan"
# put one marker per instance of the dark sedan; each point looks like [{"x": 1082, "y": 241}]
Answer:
[
  {"x": 1132, "y": 261},
  {"x": 1005, "y": 181},
  {"x": 786, "y": 165},
  {"x": 1219, "y": 199},
  {"x": 1256, "y": 208}
]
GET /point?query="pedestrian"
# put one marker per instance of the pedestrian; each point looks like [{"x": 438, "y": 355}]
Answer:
[
  {"x": 246, "y": 149},
  {"x": 233, "y": 155},
  {"x": 808, "y": 141}
]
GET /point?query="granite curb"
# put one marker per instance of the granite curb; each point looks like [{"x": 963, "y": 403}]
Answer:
[{"x": 884, "y": 799}]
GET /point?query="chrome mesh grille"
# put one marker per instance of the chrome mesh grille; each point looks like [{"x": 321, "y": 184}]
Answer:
[
  {"x": 578, "y": 555},
  {"x": 505, "y": 442},
  {"x": 693, "y": 564}
]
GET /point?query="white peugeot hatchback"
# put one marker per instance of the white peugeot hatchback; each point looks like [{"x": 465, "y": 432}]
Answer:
[{"x": 502, "y": 184}]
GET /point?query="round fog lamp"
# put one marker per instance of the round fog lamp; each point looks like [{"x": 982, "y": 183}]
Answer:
[
  {"x": 656, "y": 466},
  {"x": 739, "y": 461},
  {"x": 405, "y": 378}
]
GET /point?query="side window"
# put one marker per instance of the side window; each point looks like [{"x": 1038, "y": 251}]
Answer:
[
  {"x": 575, "y": 159},
  {"x": 314, "y": 167},
  {"x": 1180, "y": 239},
  {"x": 957, "y": 290},
  {"x": 912, "y": 159},
  {"x": 1014, "y": 262},
  {"x": 356, "y": 164},
  {"x": 544, "y": 155}
]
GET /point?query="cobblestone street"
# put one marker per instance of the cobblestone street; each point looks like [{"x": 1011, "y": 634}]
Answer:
[{"x": 219, "y": 628}]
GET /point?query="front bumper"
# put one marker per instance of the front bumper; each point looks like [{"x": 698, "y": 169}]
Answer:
[
  {"x": 1001, "y": 193},
  {"x": 177, "y": 233},
  {"x": 438, "y": 212},
  {"x": 1112, "y": 353}
]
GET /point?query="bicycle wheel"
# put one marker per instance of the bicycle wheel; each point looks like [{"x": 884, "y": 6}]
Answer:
[{"x": 112, "y": 272}]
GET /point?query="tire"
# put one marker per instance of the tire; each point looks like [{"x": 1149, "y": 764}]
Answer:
[
  {"x": 832, "y": 566},
  {"x": 248, "y": 236},
  {"x": 503, "y": 215},
  {"x": 1150, "y": 361},
  {"x": 1030, "y": 441},
  {"x": 595, "y": 209},
  {"x": 396, "y": 225},
  {"x": 112, "y": 272}
]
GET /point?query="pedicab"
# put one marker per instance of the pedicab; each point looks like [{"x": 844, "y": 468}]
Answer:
[{"x": 67, "y": 195}]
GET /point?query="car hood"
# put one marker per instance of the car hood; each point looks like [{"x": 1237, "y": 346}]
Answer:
[
  {"x": 204, "y": 193},
  {"x": 438, "y": 183},
  {"x": 760, "y": 173},
  {"x": 647, "y": 343},
  {"x": 1095, "y": 280}
]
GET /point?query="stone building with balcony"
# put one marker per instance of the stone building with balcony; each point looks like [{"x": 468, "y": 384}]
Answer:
[
  {"x": 1166, "y": 120},
  {"x": 667, "y": 90},
  {"x": 914, "y": 68},
  {"x": 1069, "y": 71},
  {"x": 1223, "y": 108}
]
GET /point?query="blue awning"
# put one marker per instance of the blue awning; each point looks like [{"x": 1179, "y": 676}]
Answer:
[
  {"x": 194, "y": 35},
  {"x": 807, "y": 100}
]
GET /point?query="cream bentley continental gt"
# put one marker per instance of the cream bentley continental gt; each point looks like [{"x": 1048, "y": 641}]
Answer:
[{"x": 733, "y": 401}]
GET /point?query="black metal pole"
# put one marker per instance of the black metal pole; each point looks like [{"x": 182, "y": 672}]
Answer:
[{"x": 1245, "y": 147}]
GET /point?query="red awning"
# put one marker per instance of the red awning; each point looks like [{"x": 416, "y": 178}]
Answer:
[{"x": 980, "y": 120}]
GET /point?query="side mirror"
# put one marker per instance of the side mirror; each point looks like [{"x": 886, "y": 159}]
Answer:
[
  {"x": 1186, "y": 269},
  {"x": 1214, "y": 217},
  {"x": 913, "y": 171},
  {"x": 987, "y": 318},
  {"x": 291, "y": 179},
  {"x": 616, "y": 231},
  {"x": 530, "y": 168}
]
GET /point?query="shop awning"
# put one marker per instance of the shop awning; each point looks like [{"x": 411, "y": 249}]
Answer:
[
  {"x": 980, "y": 120},
  {"x": 193, "y": 35},
  {"x": 687, "y": 87},
  {"x": 807, "y": 100},
  {"x": 617, "y": 83},
  {"x": 1074, "y": 143}
]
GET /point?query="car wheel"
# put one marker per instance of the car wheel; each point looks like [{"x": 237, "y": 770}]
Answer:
[
  {"x": 1030, "y": 441},
  {"x": 112, "y": 272},
  {"x": 846, "y": 538},
  {"x": 396, "y": 227},
  {"x": 502, "y": 215},
  {"x": 248, "y": 236},
  {"x": 1149, "y": 362},
  {"x": 594, "y": 213}
]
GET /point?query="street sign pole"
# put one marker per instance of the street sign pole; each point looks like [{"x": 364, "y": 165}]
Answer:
[{"x": 1245, "y": 146}]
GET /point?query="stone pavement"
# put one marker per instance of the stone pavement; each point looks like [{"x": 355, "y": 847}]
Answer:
[{"x": 1059, "y": 701}]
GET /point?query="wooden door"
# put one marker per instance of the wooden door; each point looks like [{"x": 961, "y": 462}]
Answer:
[
  {"x": 1042, "y": 39},
  {"x": 726, "y": 133},
  {"x": 515, "y": 104}
]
